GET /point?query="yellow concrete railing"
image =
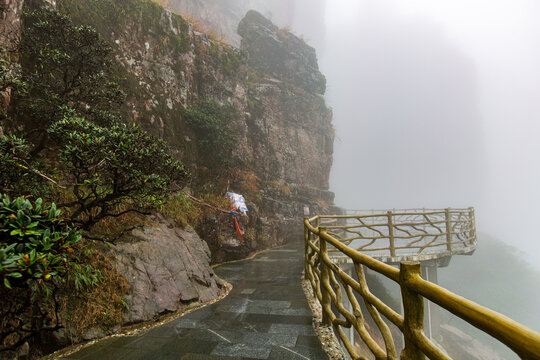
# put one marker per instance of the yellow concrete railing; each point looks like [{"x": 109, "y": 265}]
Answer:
[
  {"x": 396, "y": 235},
  {"x": 331, "y": 284}
]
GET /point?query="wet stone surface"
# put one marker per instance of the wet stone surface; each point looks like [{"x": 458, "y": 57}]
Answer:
[{"x": 265, "y": 316}]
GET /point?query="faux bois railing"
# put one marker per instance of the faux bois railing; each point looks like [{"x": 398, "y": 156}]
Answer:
[
  {"x": 393, "y": 236},
  {"x": 332, "y": 285}
]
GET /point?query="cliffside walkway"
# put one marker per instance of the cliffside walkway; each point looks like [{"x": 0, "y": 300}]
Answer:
[
  {"x": 266, "y": 316},
  {"x": 410, "y": 238}
]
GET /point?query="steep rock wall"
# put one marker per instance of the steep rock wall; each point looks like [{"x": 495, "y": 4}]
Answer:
[
  {"x": 280, "y": 53},
  {"x": 10, "y": 11},
  {"x": 283, "y": 127}
]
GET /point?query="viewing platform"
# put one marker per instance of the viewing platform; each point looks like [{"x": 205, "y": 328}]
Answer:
[
  {"x": 423, "y": 235},
  {"x": 340, "y": 250}
]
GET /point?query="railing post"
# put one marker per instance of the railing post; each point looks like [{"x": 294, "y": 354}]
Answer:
[
  {"x": 413, "y": 311},
  {"x": 325, "y": 279},
  {"x": 448, "y": 218},
  {"x": 391, "y": 234},
  {"x": 306, "y": 248},
  {"x": 473, "y": 223}
]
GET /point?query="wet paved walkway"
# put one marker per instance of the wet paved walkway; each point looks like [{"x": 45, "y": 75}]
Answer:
[{"x": 266, "y": 316}]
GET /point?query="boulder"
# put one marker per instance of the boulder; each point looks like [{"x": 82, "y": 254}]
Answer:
[{"x": 167, "y": 268}]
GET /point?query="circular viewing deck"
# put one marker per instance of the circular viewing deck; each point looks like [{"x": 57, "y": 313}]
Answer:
[{"x": 403, "y": 235}]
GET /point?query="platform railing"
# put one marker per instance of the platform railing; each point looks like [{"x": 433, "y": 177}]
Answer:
[
  {"x": 400, "y": 233},
  {"x": 333, "y": 286}
]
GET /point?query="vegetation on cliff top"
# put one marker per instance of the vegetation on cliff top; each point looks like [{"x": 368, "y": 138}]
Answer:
[
  {"x": 110, "y": 17},
  {"x": 64, "y": 67}
]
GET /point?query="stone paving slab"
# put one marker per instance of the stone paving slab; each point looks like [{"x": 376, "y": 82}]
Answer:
[{"x": 265, "y": 317}]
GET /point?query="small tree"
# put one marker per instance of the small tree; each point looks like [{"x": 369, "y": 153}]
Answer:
[
  {"x": 109, "y": 165},
  {"x": 64, "y": 64}
]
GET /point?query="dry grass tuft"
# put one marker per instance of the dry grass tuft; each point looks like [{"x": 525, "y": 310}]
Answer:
[
  {"x": 284, "y": 32},
  {"x": 100, "y": 306},
  {"x": 323, "y": 204},
  {"x": 186, "y": 211},
  {"x": 200, "y": 26},
  {"x": 181, "y": 209},
  {"x": 247, "y": 182}
]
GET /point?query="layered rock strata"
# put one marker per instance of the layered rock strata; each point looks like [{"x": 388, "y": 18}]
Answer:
[{"x": 283, "y": 130}]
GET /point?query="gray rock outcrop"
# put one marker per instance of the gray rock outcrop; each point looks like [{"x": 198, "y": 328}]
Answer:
[
  {"x": 223, "y": 16},
  {"x": 166, "y": 268},
  {"x": 280, "y": 53}
]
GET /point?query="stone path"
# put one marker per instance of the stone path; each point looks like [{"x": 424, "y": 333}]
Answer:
[{"x": 265, "y": 316}]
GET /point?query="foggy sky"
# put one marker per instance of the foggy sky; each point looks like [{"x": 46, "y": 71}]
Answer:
[
  {"x": 436, "y": 104},
  {"x": 405, "y": 105}
]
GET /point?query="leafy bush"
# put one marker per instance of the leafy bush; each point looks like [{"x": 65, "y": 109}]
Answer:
[
  {"x": 10, "y": 76},
  {"x": 16, "y": 175},
  {"x": 108, "y": 165},
  {"x": 64, "y": 64},
  {"x": 11, "y": 150},
  {"x": 34, "y": 242},
  {"x": 39, "y": 271},
  {"x": 185, "y": 210},
  {"x": 212, "y": 124}
]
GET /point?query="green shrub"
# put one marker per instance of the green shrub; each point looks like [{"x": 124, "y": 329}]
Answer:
[
  {"x": 34, "y": 243},
  {"x": 212, "y": 124},
  {"x": 12, "y": 149},
  {"x": 64, "y": 64},
  {"x": 108, "y": 165},
  {"x": 10, "y": 77},
  {"x": 16, "y": 176}
]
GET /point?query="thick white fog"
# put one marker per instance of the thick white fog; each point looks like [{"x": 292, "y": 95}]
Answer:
[{"x": 436, "y": 104}]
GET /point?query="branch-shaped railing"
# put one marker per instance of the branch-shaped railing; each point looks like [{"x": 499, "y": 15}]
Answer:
[
  {"x": 401, "y": 234},
  {"x": 332, "y": 286}
]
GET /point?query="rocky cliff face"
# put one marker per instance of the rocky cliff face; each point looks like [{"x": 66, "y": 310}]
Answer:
[
  {"x": 282, "y": 125},
  {"x": 283, "y": 131},
  {"x": 10, "y": 11},
  {"x": 280, "y": 53},
  {"x": 284, "y": 140}
]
